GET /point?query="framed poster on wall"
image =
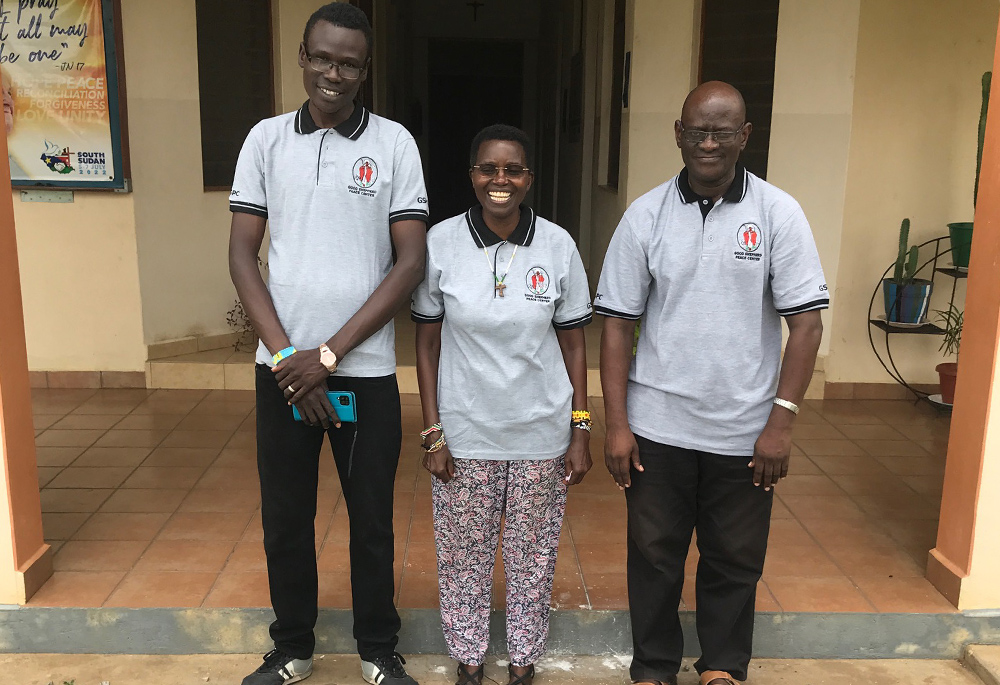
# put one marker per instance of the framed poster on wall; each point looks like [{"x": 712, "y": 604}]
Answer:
[{"x": 59, "y": 61}]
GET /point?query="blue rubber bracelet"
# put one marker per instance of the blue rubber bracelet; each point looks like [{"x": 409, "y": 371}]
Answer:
[{"x": 283, "y": 354}]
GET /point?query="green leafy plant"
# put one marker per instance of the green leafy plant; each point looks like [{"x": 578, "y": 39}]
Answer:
[
  {"x": 951, "y": 321},
  {"x": 906, "y": 260}
]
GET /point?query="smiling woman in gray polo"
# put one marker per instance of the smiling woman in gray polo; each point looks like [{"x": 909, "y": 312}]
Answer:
[{"x": 501, "y": 360}]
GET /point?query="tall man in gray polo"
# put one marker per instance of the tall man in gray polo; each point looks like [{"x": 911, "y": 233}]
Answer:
[{"x": 699, "y": 422}]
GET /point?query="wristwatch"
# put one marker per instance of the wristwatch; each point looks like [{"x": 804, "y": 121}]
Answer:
[{"x": 327, "y": 358}]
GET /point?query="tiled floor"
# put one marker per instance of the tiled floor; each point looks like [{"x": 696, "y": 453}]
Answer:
[{"x": 150, "y": 499}]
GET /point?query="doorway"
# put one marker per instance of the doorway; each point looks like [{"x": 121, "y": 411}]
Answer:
[{"x": 464, "y": 95}]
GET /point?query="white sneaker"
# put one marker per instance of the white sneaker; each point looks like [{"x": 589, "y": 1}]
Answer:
[{"x": 280, "y": 669}]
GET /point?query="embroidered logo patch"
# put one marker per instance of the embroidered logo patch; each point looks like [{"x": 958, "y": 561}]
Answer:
[
  {"x": 537, "y": 280},
  {"x": 365, "y": 172},
  {"x": 748, "y": 237}
]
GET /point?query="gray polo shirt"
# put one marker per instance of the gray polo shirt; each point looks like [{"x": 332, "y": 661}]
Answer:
[
  {"x": 710, "y": 283},
  {"x": 329, "y": 196},
  {"x": 503, "y": 388}
]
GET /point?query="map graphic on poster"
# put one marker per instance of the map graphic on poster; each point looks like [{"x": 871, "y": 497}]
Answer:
[{"x": 57, "y": 108}]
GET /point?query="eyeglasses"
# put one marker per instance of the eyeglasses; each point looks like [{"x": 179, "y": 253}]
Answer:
[
  {"x": 323, "y": 65},
  {"x": 696, "y": 136},
  {"x": 510, "y": 171}
]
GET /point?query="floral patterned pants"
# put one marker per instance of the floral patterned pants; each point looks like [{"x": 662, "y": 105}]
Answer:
[{"x": 530, "y": 495}]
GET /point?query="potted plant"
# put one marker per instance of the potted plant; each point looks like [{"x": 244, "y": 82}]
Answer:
[
  {"x": 951, "y": 321},
  {"x": 960, "y": 233},
  {"x": 906, "y": 298}
]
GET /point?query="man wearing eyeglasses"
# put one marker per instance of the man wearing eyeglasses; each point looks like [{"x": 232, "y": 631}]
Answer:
[
  {"x": 340, "y": 189},
  {"x": 699, "y": 422}
]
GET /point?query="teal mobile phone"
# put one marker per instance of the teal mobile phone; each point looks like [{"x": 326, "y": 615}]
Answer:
[{"x": 343, "y": 403}]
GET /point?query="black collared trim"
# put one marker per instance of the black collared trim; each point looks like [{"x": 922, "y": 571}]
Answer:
[
  {"x": 578, "y": 322},
  {"x": 484, "y": 237},
  {"x": 808, "y": 306},
  {"x": 736, "y": 191},
  {"x": 604, "y": 311},
  {"x": 351, "y": 128},
  {"x": 407, "y": 214},
  {"x": 247, "y": 208},
  {"x": 423, "y": 318}
]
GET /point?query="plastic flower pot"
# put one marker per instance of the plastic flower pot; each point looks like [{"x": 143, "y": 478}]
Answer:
[
  {"x": 947, "y": 374},
  {"x": 906, "y": 303},
  {"x": 960, "y": 234}
]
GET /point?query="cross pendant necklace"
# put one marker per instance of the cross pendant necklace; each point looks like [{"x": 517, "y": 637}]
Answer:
[{"x": 499, "y": 285}]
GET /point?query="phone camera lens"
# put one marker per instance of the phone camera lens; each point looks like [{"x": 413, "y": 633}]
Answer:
[{"x": 344, "y": 401}]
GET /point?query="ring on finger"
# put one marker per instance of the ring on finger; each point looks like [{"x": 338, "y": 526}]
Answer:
[{"x": 290, "y": 389}]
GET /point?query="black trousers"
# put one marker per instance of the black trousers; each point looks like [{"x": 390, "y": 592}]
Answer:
[
  {"x": 366, "y": 454},
  {"x": 680, "y": 491}
]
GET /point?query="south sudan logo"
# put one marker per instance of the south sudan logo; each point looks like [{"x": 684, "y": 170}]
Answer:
[{"x": 365, "y": 172}]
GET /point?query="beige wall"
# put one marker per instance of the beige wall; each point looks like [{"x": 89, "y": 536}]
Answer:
[
  {"x": 912, "y": 154},
  {"x": 813, "y": 105},
  {"x": 80, "y": 283}
]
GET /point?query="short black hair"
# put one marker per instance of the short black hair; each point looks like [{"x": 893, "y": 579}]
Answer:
[
  {"x": 500, "y": 132},
  {"x": 341, "y": 14}
]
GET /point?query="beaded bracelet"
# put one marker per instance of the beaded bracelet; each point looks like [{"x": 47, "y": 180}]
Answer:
[
  {"x": 436, "y": 446},
  {"x": 582, "y": 425},
  {"x": 436, "y": 427},
  {"x": 581, "y": 415}
]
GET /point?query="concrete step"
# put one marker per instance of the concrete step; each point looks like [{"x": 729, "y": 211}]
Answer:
[{"x": 984, "y": 661}]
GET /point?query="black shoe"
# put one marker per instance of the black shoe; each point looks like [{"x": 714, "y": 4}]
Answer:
[
  {"x": 386, "y": 670},
  {"x": 280, "y": 669}
]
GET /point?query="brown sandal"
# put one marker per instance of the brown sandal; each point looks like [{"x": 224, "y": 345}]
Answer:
[
  {"x": 470, "y": 677},
  {"x": 525, "y": 679},
  {"x": 722, "y": 681}
]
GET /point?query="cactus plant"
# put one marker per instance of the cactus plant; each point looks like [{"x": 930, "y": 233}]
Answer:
[{"x": 906, "y": 259}]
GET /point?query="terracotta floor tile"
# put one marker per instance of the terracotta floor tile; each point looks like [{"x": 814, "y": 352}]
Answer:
[
  {"x": 765, "y": 600},
  {"x": 185, "y": 555},
  {"x": 43, "y": 421},
  {"x": 904, "y": 595},
  {"x": 885, "y": 562},
  {"x": 809, "y": 485},
  {"x": 568, "y": 592},
  {"x": 144, "y": 501},
  {"x": 61, "y": 526},
  {"x": 226, "y": 477},
  {"x": 131, "y": 438},
  {"x": 822, "y": 506},
  {"x": 238, "y": 408},
  {"x": 607, "y": 590},
  {"x": 240, "y": 590},
  {"x": 601, "y": 506},
  {"x": 840, "y": 412},
  {"x": 80, "y": 555},
  {"x": 801, "y": 465},
  {"x": 839, "y": 532},
  {"x": 241, "y": 458},
  {"x": 57, "y": 456},
  {"x": 911, "y": 532},
  {"x": 199, "y": 438},
  {"x": 205, "y": 526},
  {"x": 90, "y": 477},
  {"x": 596, "y": 560},
  {"x": 913, "y": 466},
  {"x": 779, "y": 511},
  {"x": 925, "y": 485},
  {"x": 100, "y": 422},
  {"x": 188, "y": 457},
  {"x": 418, "y": 591},
  {"x": 164, "y": 477},
  {"x": 176, "y": 589},
  {"x": 816, "y": 431},
  {"x": 73, "y": 500},
  {"x": 125, "y": 526},
  {"x": 335, "y": 590},
  {"x": 832, "y": 448},
  {"x": 120, "y": 457},
  {"x": 150, "y": 422},
  {"x": 876, "y": 431},
  {"x": 906, "y": 505},
  {"x": 164, "y": 406},
  {"x": 850, "y": 466},
  {"x": 818, "y": 594},
  {"x": 901, "y": 412},
  {"x": 587, "y": 529},
  {"x": 788, "y": 532},
  {"x": 248, "y": 556},
  {"x": 420, "y": 558},
  {"x": 935, "y": 448},
  {"x": 221, "y": 501},
  {"x": 872, "y": 484},
  {"x": 198, "y": 421},
  {"x": 68, "y": 438},
  {"x": 76, "y": 589},
  {"x": 46, "y": 474},
  {"x": 805, "y": 561},
  {"x": 892, "y": 448}
]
